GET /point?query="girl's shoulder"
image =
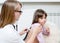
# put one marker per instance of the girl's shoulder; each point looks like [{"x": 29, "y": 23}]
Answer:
[{"x": 35, "y": 25}]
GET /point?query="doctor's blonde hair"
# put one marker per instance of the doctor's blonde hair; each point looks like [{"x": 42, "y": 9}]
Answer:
[{"x": 7, "y": 12}]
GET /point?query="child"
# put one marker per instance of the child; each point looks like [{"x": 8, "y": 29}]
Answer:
[{"x": 39, "y": 19}]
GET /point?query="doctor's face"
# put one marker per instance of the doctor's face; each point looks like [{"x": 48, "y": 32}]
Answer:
[{"x": 18, "y": 12}]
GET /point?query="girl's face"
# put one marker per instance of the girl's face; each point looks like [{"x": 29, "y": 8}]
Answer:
[
  {"x": 42, "y": 20},
  {"x": 18, "y": 12}
]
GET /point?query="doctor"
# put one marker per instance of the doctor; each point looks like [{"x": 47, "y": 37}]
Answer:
[{"x": 10, "y": 13}]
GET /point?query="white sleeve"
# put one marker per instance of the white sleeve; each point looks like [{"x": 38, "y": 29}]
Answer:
[{"x": 12, "y": 35}]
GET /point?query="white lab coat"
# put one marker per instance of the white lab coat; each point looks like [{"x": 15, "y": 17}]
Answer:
[{"x": 9, "y": 35}]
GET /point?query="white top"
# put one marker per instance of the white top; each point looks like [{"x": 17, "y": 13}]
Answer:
[{"x": 9, "y": 35}]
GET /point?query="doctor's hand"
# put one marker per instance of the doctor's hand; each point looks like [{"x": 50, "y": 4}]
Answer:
[{"x": 23, "y": 31}]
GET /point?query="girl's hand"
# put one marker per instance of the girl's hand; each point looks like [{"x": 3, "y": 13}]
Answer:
[{"x": 47, "y": 31}]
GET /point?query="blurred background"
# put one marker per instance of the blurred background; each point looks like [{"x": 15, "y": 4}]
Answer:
[{"x": 51, "y": 7}]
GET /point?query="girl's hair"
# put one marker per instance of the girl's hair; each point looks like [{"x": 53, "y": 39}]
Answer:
[
  {"x": 7, "y": 12},
  {"x": 38, "y": 14}
]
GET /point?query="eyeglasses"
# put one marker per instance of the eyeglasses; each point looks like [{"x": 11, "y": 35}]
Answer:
[{"x": 18, "y": 11}]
